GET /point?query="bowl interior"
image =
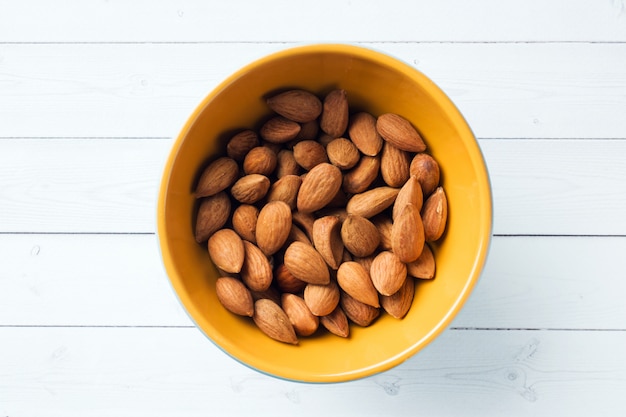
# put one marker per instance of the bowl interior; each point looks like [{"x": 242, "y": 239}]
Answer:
[{"x": 374, "y": 82}]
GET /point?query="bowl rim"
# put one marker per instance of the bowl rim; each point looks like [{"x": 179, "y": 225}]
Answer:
[{"x": 476, "y": 156}]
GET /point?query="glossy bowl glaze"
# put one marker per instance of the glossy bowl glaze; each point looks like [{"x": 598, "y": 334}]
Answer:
[{"x": 375, "y": 82}]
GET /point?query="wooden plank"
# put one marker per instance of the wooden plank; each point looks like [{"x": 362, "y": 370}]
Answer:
[
  {"x": 519, "y": 90},
  {"x": 110, "y": 185},
  {"x": 100, "y": 280},
  {"x": 98, "y": 372},
  {"x": 280, "y": 21}
]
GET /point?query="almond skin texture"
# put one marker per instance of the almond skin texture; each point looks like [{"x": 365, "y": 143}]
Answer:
[
  {"x": 363, "y": 133},
  {"x": 342, "y": 153},
  {"x": 297, "y": 235},
  {"x": 213, "y": 212},
  {"x": 336, "y": 322},
  {"x": 407, "y": 234},
  {"x": 388, "y": 273},
  {"x": 217, "y": 176},
  {"x": 398, "y": 304},
  {"x": 306, "y": 264},
  {"x": 355, "y": 280},
  {"x": 321, "y": 299},
  {"x": 359, "y": 235},
  {"x": 298, "y": 105},
  {"x": 256, "y": 272},
  {"x": 309, "y": 153},
  {"x": 273, "y": 321},
  {"x": 250, "y": 188},
  {"x": 260, "y": 160},
  {"x": 308, "y": 131},
  {"x": 359, "y": 313},
  {"x": 285, "y": 190},
  {"x": 335, "y": 112},
  {"x": 226, "y": 250},
  {"x": 410, "y": 193},
  {"x": 240, "y": 144},
  {"x": 279, "y": 130},
  {"x": 384, "y": 225},
  {"x": 435, "y": 215},
  {"x": 234, "y": 296},
  {"x": 426, "y": 169},
  {"x": 424, "y": 266},
  {"x": 398, "y": 131},
  {"x": 319, "y": 187},
  {"x": 369, "y": 203},
  {"x": 244, "y": 221},
  {"x": 273, "y": 226},
  {"x": 286, "y": 282},
  {"x": 304, "y": 322},
  {"x": 394, "y": 165},
  {"x": 327, "y": 240},
  {"x": 359, "y": 178},
  {"x": 286, "y": 164}
]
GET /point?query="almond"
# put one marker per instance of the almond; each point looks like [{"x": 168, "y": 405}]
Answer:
[
  {"x": 309, "y": 153},
  {"x": 273, "y": 321},
  {"x": 435, "y": 215},
  {"x": 304, "y": 322},
  {"x": 362, "y": 131},
  {"x": 297, "y": 235},
  {"x": 297, "y": 105},
  {"x": 334, "y": 118},
  {"x": 305, "y": 221},
  {"x": 398, "y": 131},
  {"x": 271, "y": 293},
  {"x": 250, "y": 188},
  {"x": 394, "y": 165},
  {"x": 327, "y": 240},
  {"x": 384, "y": 225},
  {"x": 286, "y": 164},
  {"x": 370, "y": 203},
  {"x": 359, "y": 178},
  {"x": 407, "y": 234},
  {"x": 286, "y": 282},
  {"x": 424, "y": 266},
  {"x": 321, "y": 299},
  {"x": 336, "y": 322},
  {"x": 410, "y": 193},
  {"x": 359, "y": 235},
  {"x": 256, "y": 272},
  {"x": 260, "y": 160},
  {"x": 273, "y": 226},
  {"x": 426, "y": 169},
  {"x": 388, "y": 273},
  {"x": 308, "y": 131},
  {"x": 240, "y": 144},
  {"x": 319, "y": 187},
  {"x": 342, "y": 153},
  {"x": 355, "y": 280},
  {"x": 217, "y": 176},
  {"x": 279, "y": 129},
  {"x": 359, "y": 313},
  {"x": 244, "y": 221},
  {"x": 213, "y": 212},
  {"x": 398, "y": 304},
  {"x": 285, "y": 190},
  {"x": 226, "y": 250},
  {"x": 234, "y": 296},
  {"x": 306, "y": 264}
]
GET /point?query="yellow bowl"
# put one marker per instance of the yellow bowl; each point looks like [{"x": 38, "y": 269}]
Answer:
[{"x": 377, "y": 83}]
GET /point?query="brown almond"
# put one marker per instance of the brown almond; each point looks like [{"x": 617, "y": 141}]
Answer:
[
  {"x": 435, "y": 215},
  {"x": 305, "y": 222},
  {"x": 256, "y": 272},
  {"x": 279, "y": 129},
  {"x": 342, "y": 153},
  {"x": 321, "y": 299},
  {"x": 359, "y": 178},
  {"x": 304, "y": 322},
  {"x": 365, "y": 261},
  {"x": 306, "y": 264},
  {"x": 327, "y": 240},
  {"x": 384, "y": 225},
  {"x": 407, "y": 234},
  {"x": 217, "y": 176},
  {"x": 388, "y": 273},
  {"x": 424, "y": 266},
  {"x": 359, "y": 235},
  {"x": 250, "y": 188},
  {"x": 398, "y": 304},
  {"x": 244, "y": 221},
  {"x": 371, "y": 202},
  {"x": 426, "y": 169},
  {"x": 400, "y": 132},
  {"x": 359, "y": 313},
  {"x": 335, "y": 112},
  {"x": 355, "y": 280},
  {"x": 410, "y": 193},
  {"x": 234, "y": 296},
  {"x": 271, "y": 293},
  {"x": 319, "y": 187},
  {"x": 213, "y": 212},
  {"x": 260, "y": 160},
  {"x": 286, "y": 190},
  {"x": 240, "y": 144},
  {"x": 286, "y": 282},
  {"x": 309, "y": 153},
  {"x": 297, "y": 105},
  {"x": 362, "y": 131},
  {"x": 298, "y": 235},
  {"x": 336, "y": 322},
  {"x": 308, "y": 131},
  {"x": 394, "y": 165},
  {"x": 324, "y": 139},
  {"x": 226, "y": 250},
  {"x": 273, "y": 226},
  {"x": 273, "y": 321},
  {"x": 286, "y": 164}
]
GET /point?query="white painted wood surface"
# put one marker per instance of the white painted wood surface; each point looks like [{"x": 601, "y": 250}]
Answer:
[{"x": 92, "y": 94}]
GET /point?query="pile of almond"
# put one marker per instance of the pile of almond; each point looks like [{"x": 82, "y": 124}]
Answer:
[{"x": 321, "y": 217}]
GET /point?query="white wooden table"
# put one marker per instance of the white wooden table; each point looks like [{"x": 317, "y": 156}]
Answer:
[{"x": 92, "y": 94}]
